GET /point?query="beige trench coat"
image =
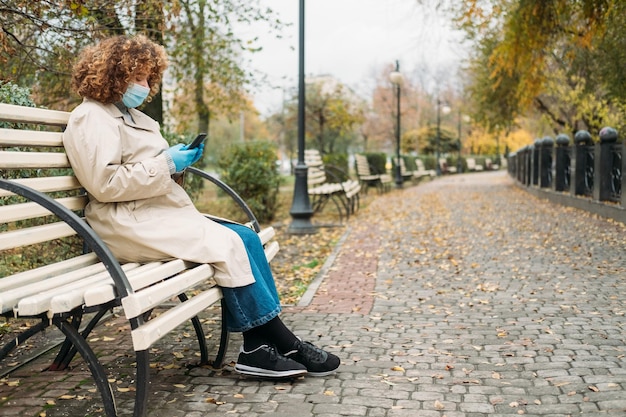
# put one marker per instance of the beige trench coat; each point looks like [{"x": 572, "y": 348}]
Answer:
[{"x": 134, "y": 205}]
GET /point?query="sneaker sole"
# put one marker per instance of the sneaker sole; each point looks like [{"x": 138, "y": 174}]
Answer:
[
  {"x": 325, "y": 373},
  {"x": 251, "y": 370}
]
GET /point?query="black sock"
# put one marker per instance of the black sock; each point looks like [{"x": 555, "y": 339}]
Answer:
[{"x": 274, "y": 332}]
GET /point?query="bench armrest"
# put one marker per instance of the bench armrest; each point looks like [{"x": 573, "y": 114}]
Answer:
[
  {"x": 232, "y": 193},
  {"x": 92, "y": 240}
]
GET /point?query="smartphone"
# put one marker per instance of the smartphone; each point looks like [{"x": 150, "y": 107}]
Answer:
[{"x": 197, "y": 141}]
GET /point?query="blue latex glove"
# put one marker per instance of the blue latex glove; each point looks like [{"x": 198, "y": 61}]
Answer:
[{"x": 184, "y": 157}]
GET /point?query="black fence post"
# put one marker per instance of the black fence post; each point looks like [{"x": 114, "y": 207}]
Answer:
[
  {"x": 519, "y": 158},
  {"x": 545, "y": 162},
  {"x": 622, "y": 170},
  {"x": 604, "y": 164},
  {"x": 528, "y": 165},
  {"x": 580, "y": 185},
  {"x": 562, "y": 163},
  {"x": 536, "y": 152}
]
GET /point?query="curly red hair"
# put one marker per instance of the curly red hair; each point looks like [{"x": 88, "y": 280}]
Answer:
[{"x": 104, "y": 71}]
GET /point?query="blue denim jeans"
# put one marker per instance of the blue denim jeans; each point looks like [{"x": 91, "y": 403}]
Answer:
[{"x": 255, "y": 304}]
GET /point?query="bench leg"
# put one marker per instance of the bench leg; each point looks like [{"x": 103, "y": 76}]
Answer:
[
  {"x": 224, "y": 336},
  {"x": 97, "y": 370},
  {"x": 22, "y": 337},
  {"x": 204, "y": 352},
  {"x": 143, "y": 382},
  {"x": 60, "y": 363},
  {"x": 319, "y": 202},
  {"x": 68, "y": 351}
]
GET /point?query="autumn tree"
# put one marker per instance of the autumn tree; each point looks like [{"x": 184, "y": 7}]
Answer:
[
  {"x": 39, "y": 41},
  {"x": 549, "y": 56},
  {"x": 332, "y": 115},
  {"x": 378, "y": 130},
  {"x": 207, "y": 54}
]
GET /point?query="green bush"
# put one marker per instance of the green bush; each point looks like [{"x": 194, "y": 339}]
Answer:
[
  {"x": 377, "y": 162},
  {"x": 251, "y": 170},
  {"x": 409, "y": 162},
  {"x": 14, "y": 94},
  {"x": 337, "y": 165},
  {"x": 429, "y": 161}
]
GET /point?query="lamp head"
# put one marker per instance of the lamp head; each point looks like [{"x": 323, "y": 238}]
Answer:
[{"x": 396, "y": 78}]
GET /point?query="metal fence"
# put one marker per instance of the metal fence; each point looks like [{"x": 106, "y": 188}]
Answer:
[{"x": 581, "y": 169}]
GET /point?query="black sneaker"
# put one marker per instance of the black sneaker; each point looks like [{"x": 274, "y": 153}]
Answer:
[
  {"x": 317, "y": 361},
  {"x": 266, "y": 361}
]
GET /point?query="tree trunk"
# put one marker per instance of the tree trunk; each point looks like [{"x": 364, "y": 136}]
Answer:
[{"x": 151, "y": 21}]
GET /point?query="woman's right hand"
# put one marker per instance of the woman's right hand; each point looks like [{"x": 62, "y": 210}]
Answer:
[{"x": 184, "y": 157}]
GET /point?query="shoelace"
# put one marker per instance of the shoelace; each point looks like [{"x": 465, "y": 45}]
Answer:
[
  {"x": 312, "y": 352},
  {"x": 274, "y": 355}
]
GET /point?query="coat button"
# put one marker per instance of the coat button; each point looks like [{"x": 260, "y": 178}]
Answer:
[{"x": 152, "y": 171}]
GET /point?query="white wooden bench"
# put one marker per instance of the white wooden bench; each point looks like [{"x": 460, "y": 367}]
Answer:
[
  {"x": 404, "y": 172},
  {"x": 490, "y": 166},
  {"x": 445, "y": 168},
  {"x": 421, "y": 170},
  {"x": 324, "y": 186},
  {"x": 472, "y": 165},
  {"x": 40, "y": 207},
  {"x": 381, "y": 181}
]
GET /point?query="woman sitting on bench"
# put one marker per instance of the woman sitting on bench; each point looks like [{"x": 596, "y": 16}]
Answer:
[{"x": 142, "y": 214}]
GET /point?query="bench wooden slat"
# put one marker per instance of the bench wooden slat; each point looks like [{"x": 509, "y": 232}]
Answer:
[
  {"x": 42, "y": 301},
  {"x": 9, "y": 299},
  {"x": 271, "y": 250},
  {"x": 22, "y": 114},
  {"x": 147, "y": 299},
  {"x": 266, "y": 234},
  {"x": 47, "y": 184},
  {"x": 30, "y": 160},
  {"x": 13, "y": 137},
  {"x": 24, "y": 211},
  {"x": 32, "y": 235},
  {"x": 47, "y": 271},
  {"x": 154, "y": 272},
  {"x": 146, "y": 335},
  {"x": 62, "y": 303}
]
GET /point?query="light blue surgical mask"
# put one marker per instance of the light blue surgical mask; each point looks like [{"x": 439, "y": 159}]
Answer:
[{"x": 135, "y": 95}]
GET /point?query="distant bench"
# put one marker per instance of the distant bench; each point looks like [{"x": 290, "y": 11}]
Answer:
[
  {"x": 325, "y": 184},
  {"x": 41, "y": 204},
  {"x": 368, "y": 178}
]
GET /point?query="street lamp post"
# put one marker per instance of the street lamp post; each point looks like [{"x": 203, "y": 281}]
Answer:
[
  {"x": 466, "y": 119},
  {"x": 301, "y": 211},
  {"x": 396, "y": 79},
  {"x": 445, "y": 110}
]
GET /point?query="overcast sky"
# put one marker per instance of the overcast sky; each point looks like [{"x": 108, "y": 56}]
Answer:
[{"x": 353, "y": 40}]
